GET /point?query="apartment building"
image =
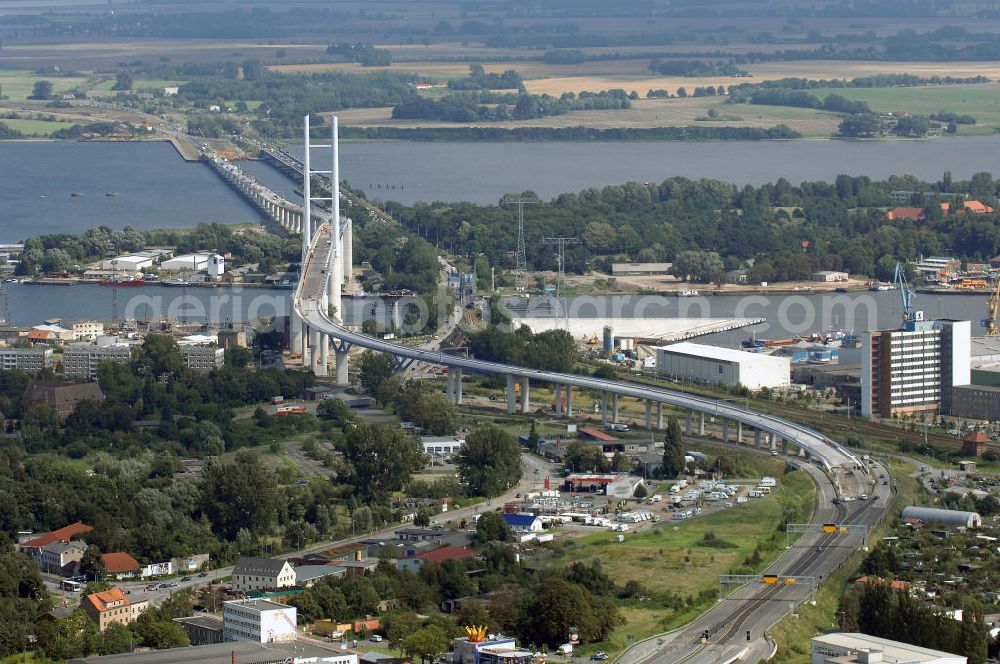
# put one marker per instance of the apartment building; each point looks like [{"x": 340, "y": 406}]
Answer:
[
  {"x": 203, "y": 358},
  {"x": 914, "y": 369},
  {"x": 81, "y": 360},
  {"x": 28, "y": 360},
  {"x": 262, "y": 574}
]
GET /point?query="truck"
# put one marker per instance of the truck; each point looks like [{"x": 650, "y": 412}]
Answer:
[{"x": 277, "y": 400}]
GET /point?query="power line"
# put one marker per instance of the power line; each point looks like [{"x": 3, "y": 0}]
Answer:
[
  {"x": 561, "y": 243},
  {"x": 520, "y": 257}
]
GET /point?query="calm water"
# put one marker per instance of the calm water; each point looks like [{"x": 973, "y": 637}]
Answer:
[
  {"x": 483, "y": 172},
  {"x": 156, "y": 189},
  {"x": 31, "y": 304},
  {"x": 786, "y": 315}
]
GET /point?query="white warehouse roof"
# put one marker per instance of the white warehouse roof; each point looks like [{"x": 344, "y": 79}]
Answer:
[
  {"x": 838, "y": 644},
  {"x": 716, "y": 353}
]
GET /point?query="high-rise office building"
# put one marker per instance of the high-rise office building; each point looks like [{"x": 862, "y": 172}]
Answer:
[{"x": 914, "y": 369}]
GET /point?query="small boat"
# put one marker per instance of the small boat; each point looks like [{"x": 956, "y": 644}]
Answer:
[
  {"x": 688, "y": 293},
  {"x": 76, "y": 194},
  {"x": 111, "y": 194}
]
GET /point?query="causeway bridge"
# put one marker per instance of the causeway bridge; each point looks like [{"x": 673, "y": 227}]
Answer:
[{"x": 318, "y": 332}]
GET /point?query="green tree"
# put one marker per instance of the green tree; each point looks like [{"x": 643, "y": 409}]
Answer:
[
  {"x": 159, "y": 355},
  {"x": 116, "y": 638},
  {"x": 483, "y": 273},
  {"x": 374, "y": 369},
  {"x": 583, "y": 458},
  {"x": 41, "y": 90},
  {"x": 123, "y": 81},
  {"x": 489, "y": 462},
  {"x": 426, "y": 408},
  {"x": 91, "y": 564},
  {"x": 426, "y": 643},
  {"x": 397, "y": 625},
  {"x": 242, "y": 493},
  {"x": 491, "y": 528},
  {"x": 640, "y": 491},
  {"x": 673, "y": 449},
  {"x": 382, "y": 459}
]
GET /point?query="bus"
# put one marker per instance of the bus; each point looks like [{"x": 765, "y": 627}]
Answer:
[{"x": 71, "y": 585}]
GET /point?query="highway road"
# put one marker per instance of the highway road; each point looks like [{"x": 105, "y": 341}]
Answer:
[
  {"x": 308, "y": 300},
  {"x": 756, "y": 607}
]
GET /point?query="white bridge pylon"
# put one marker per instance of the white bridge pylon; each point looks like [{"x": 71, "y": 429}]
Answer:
[{"x": 312, "y": 344}]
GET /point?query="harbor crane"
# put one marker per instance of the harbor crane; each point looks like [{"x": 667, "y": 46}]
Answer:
[
  {"x": 992, "y": 302},
  {"x": 899, "y": 279}
]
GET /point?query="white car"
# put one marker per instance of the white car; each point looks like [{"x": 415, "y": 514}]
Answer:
[{"x": 377, "y": 638}]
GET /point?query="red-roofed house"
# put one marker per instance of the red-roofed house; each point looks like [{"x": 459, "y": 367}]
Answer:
[
  {"x": 120, "y": 565},
  {"x": 975, "y": 207},
  {"x": 63, "y": 535},
  {"x": 905, "y": 214},
  {"x": 439, "y": 555},
  {"x": 895, "y": 584},
  {"x": 112, "y": 606}
]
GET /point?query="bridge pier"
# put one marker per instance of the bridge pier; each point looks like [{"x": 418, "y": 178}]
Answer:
[
  {"x": 687, "y": 423},
  {"x": 725, "y": 430},
  {"x": 649, "y": 414},
  {"x": 604, "y": 407},
  {"x": 457, "y": 372},
  {"x": 701, "y": 424},
  {"x": 784, "y": 446},
  {"x": 314, "y": 351},
  {"x": 756, "y": 439},
  {"x": 739, "y": 432},
  {"x": 558, "y": 401},
  {"x": 525, "y": 396},
  {"x": 294, "y": 333},
  {"x": 511, "y": 395},
  {"x": 614, "y": 408},
  {"x": 659, "y": 415},
  {"x": 348, "y": 247},
  {"x": 324, "y": 355},
  {"x": 340, "y": 359},
  {"x": 569, "y": 401}
]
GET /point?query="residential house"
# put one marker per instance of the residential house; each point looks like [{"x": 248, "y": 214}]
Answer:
[
  {"x": 523, "y": 523},
  {"x": 60, "y": 557},
  {"x": 975, "y": 207},
  {"x": 112, "y": 606},
  {"x": 905, "y": 214},
  {"x": 262, "y": 574},
  {"x": 61, "y": 396},
  {"x": 438, "y": 555},
  {"x": 120, "y": 565}
]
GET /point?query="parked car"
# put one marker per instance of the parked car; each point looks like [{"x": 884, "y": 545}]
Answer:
[
  {"x": 599, "y": 656},
  {"x": 203, "y": 575},
  {"x": 377, "y": 638},
  {"x": 185, "y": 579}
]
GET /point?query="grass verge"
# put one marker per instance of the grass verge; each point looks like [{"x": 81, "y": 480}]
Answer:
[{"x": 793, "y": 633}]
